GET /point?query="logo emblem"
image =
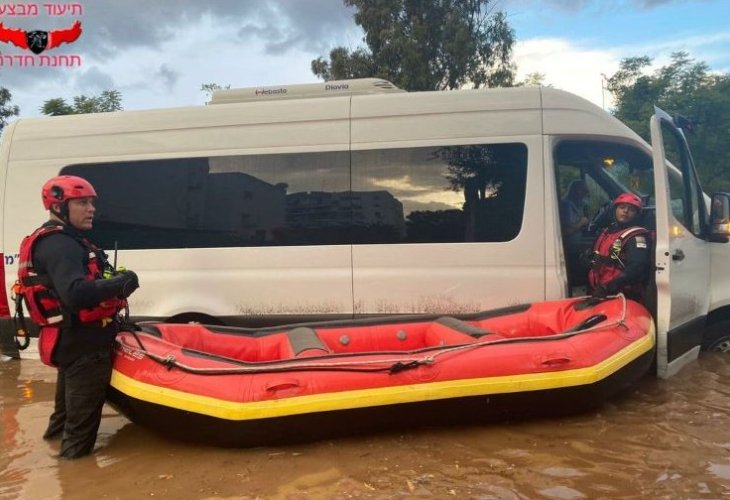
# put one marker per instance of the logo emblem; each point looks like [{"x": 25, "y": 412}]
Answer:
[{"x": 37, "y": 41}]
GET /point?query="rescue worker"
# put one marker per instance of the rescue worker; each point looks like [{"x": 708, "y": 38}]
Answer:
[
  {"x": 622, "y": 253},
  {"x": 61, "y": 278}
]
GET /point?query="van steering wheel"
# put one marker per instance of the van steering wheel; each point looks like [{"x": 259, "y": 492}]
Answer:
[{"x": 601, "y": 219}]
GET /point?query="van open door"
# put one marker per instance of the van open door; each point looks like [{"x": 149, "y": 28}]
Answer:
[{"x": 682, "y": 250}]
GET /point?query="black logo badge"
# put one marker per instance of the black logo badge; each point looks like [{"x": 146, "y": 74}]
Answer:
[{"x": 37, "y": 41}]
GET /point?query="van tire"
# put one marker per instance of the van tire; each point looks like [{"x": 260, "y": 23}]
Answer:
[{"x": 717, "y": 337}]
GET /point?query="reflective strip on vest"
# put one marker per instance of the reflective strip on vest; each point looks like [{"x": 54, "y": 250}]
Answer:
[{"x": 628, "y": 233}]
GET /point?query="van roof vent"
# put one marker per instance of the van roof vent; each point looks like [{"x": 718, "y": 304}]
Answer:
[{"x": 358, "y": 86}]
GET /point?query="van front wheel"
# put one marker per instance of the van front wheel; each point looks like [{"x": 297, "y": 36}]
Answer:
[{"x": 717, "y": 337}]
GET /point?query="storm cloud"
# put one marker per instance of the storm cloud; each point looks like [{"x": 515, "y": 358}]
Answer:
[
  {"x": 158, "y": 53},
  {"x": 113, "y": 26}
]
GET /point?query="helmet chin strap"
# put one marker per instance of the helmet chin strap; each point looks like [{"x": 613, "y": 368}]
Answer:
[{"x": 63, "y": 213}]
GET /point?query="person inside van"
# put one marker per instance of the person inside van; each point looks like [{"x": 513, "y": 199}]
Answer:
[
  {"x": 622, "y": 253},
  {"x": 572, "y": 216},
  {"x": 572, "y": 222},
  {"x": 74, "y": 296}
]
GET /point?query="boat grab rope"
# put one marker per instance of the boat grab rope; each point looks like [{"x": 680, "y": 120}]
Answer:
[{"x": 392, "y": 366}]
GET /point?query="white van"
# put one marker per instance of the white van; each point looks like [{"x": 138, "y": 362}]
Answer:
[{"x": 352, "y": 198}]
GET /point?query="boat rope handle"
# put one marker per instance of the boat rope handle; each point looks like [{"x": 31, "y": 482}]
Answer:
[
  {"x": 394, "y": 365},
  {"x": 391, "y": 365}
]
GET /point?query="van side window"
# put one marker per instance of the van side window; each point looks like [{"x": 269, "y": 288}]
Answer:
[
  {"x": 449, "y": 194},
  {"x": 423, "y": 195},
  {"x": 686, "y": 196},
  {"x": 229, "y": 201}
]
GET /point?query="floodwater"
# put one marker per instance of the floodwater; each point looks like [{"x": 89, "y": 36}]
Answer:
[{"x": 663, "y": 439}]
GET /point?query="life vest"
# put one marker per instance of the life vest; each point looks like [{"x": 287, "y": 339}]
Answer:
[
  {"x": 609, "y": 256},
  {"x": 44, "y": 306}
]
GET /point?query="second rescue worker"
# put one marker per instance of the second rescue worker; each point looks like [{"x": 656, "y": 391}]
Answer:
[
  {"x": 60, "y": 278},
  {"x": 622, "y": 253}
]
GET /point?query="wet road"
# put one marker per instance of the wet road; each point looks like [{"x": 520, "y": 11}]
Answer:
[{"x": 664, "y": 439}]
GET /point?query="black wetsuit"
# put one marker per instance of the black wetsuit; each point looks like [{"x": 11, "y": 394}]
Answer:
[{"x": 83, "y": 352}]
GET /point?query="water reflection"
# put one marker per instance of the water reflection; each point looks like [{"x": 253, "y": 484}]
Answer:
[
  {"x": 721, "y": 471},
  {"x": 27, "y": 470}
]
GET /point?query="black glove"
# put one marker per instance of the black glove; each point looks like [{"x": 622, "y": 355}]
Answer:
[
  {"x": 586, "y": 257},
  {"x": 121, "y": 285},
  {"x": 599, "y": 292},
  {"x": 130, "y": 284}
]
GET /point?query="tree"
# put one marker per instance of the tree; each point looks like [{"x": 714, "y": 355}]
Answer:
[
  {"x": 535, "y": 79},
  {"x": 7, "y": 110},
  {"x": 427, "y": 45},
  {"x": 687, "y": 88},
  {"x": 209, "y": 88},
  {"x": 56, "y": 107},
  {"x": 108, "y": 100}
]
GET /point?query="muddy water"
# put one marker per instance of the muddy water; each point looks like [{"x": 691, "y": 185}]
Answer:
[{"x": 664, "y": 439}]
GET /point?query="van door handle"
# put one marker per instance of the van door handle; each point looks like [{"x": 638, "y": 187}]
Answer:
[{"x": 678, "y": 255}]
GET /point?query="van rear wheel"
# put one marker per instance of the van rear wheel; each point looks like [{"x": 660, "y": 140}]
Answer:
[{"x": 717, "y": 337}]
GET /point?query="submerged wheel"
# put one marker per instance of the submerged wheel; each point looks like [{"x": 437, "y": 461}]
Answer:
[{"x": 717, "y": 337}]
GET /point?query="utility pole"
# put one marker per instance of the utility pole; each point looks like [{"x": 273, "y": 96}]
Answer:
[{"x": 604, "y": 86}]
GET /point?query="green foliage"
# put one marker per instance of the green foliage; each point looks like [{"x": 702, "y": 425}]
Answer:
[
  {"x": 57, "y": 106},
  {"x": 209, "y": 88},
  {"x": 535, "y": 79},
  {"x": 108, "y": 100},
  {"x": 7, "y": 110},
  {"x": 426, "y": 45},
  {"x": 687, "y": 88}
]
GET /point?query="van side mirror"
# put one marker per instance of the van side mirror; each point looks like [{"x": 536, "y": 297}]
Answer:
[{"x": 720, "y": 218}]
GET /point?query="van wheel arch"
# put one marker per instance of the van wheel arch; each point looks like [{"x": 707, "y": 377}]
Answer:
[
  {"x": 193, "y": 317},
  {"x": 717, "y": 337}
]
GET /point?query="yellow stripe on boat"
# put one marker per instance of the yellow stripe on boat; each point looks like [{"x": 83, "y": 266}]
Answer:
[{"x": 381, "y": 396}]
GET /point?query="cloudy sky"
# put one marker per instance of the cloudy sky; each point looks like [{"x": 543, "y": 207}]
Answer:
[{"x": 158, "y": 53}]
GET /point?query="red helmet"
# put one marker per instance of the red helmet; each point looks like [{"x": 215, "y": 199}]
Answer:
[
  {"x": 629, "y": 198},
  {"x": 65, "y": 187}
]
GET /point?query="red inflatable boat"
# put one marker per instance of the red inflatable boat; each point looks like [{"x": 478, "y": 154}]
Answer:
[{"x": 241, "y": 387}]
